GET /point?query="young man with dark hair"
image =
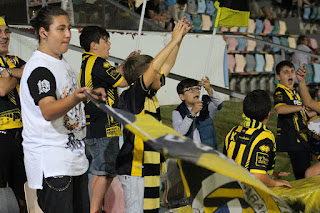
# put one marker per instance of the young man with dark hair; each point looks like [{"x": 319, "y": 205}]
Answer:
[
  {"x": 292, "y": 133},
  {"x": 184, "y": 117},
  {"x": 103, "y": 131},
  {"x": 12, "y": 171},
  {"x": 251, "y": 144}
]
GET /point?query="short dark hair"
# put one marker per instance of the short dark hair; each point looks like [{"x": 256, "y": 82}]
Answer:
[
  {"x": 185, "y": 83},
  {"x": 92, "y": 34},
  {"x": 135, "y": 66},
  {"x": 44, "y": 18},
  {"x": 257, "y": 105},
  {"x": 301, "y": 38},
  {"x": 282, "y": 64}
]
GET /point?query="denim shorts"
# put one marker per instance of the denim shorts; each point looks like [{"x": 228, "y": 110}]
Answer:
[{"x": 104, "y": 152}]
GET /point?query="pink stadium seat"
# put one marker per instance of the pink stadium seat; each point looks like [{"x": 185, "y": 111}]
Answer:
[
  {"x": 224, "y": 29},
  {"x": 231, "y": 62},
  {"x": 267, "y": 26},
  {"x": 313, "y": 43},
  {"x": 232, "y": 43}
]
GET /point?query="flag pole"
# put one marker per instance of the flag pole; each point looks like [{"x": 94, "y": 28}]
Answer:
[
  {"x": 205, "y": 72},
  {"x": 141, "y": 24}
]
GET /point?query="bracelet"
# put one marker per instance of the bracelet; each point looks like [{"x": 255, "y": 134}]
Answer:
[
  {"x": 9, "y": 72},
  {"x": 190, "y": 116}
]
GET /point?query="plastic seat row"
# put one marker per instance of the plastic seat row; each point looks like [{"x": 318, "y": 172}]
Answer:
[{"x": 311, "y": 13}]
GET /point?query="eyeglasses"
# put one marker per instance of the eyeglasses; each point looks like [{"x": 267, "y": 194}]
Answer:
[{"x": 193, "y": 89}]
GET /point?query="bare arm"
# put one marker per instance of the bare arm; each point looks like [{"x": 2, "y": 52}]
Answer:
[
  {"x": 171, "y": 60},
  {"x": 7, "y": 84},
  {"x": 52, "y": 109},
  {"x": 268, "y": 181},
  {"x": 303, "y": 89},
  {"x": 162, "y": 57},
  {"x": 287, "y": 109}
]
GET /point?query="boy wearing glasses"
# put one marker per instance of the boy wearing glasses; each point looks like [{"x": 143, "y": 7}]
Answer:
[{"x": 185, "y": 119}]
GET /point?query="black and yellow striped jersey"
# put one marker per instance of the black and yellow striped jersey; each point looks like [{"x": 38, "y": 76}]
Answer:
[
  {"x": 97, "y": 72},
  {"x": 137, "y": 158},
  {"x": 292, "y": 132},
  {"x": 10, "y": 113},
  {"x": 251, "y": 144}
]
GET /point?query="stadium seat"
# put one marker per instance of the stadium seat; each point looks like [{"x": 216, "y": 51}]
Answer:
[
  {"x": 231, "y": 62},
  {"x": 210, "y": 7},
  {"x": 260, "y": 45},
  {"x": 318, "y": 16},
  {"x": 232, "y": 43},
  {"x": 201, "y": 6},
  {"x": 259, "y": 26},
  {"x": 310, "y": 73},
  {"x": 192, "y": 7},
  {"x": 260, "y": 63},
  {"x": 316, "y": 77},
  {"x": 267, "y": 47},
  {"x": 250, "y": 63},
  {"x": 276, "y": 28},
  {"x": 206, "y": 22},
  {"x": 267, "y": 26},
  {"x": 196, "y": 21},
  {"x": 240, "y": 63},
  {"x": 242, "y": 43},
  {"x": 251, "y": 44},
  {"x": 292, "y": 42},
  {"x": 313, "y": 43},
  {"x": 282, "y": 27},
  {"x": 284, "y": 41},
  {"x": 224, "y": 29},
  {"x": 275, "y": 40},
  {"x": 188, "y": 17},
  {"x": 306, "y": 12},
  {"x": 269, "y": 63},
  {"x": 234, "y": 29},
  {"x": 314, "y": 13},
  {"x": 251, "y": 26},
  {"x": 243, "y": 29}
]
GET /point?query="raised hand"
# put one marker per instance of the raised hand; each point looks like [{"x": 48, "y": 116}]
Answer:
[
  {"x": 301, "y": 73},
  {"x": 189, "y": 26},
  {"x": 197, "y": 107},
  {"x": 178, "y": 31}
]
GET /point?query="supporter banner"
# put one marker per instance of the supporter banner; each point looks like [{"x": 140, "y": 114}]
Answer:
[
  {"x": 304, "y": 196},
  {"x": 212, "y": 180},
  {"x": 232, "y": 13}
]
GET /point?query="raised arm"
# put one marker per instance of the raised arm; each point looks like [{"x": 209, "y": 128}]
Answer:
[
  {"x": 303, "y": 89},
  {"x": 161, "y": 58},
  {"x": 171, "y": 60}
]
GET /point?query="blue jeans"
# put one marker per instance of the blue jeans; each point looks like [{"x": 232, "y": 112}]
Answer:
[{"x": 104, "y": 152}]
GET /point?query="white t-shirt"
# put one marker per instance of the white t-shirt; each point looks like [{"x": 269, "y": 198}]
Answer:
[
  {"x": 51, "y": 148},
  {"x": 304, "y": 58}
]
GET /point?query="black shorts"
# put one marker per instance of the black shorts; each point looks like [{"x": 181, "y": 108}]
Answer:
[
  {"x": 12, "y": 171},
  {"x": 64, "y": 194}
]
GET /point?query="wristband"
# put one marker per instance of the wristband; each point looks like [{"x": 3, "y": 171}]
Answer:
[
  {"x": 9, "y": 72},
  {"x": 190, "y": 116}
]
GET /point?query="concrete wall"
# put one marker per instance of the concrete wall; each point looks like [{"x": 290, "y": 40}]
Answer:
[{"x": 190, "y": 62}]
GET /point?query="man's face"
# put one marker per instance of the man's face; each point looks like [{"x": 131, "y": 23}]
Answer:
[
  {"x": 287, "y": 76},
  {"x": 103, "y": 47},
  {"x": 4, "y": 40}
]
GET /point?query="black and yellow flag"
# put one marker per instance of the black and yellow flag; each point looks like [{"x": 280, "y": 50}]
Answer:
[
  {"x": 212, "y": 181},
  {"x": 232, "y": 13}
]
